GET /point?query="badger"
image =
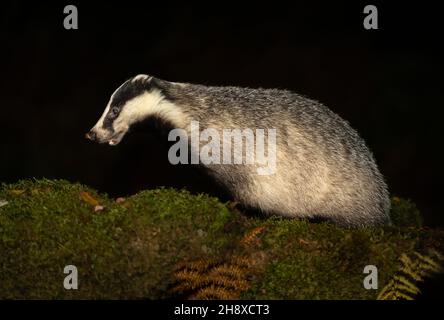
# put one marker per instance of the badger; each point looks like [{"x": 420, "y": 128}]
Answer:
[{"x": 324, "y": 169}]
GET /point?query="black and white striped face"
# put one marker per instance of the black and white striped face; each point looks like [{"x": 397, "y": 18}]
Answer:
[{"x": 132, "y": 102}]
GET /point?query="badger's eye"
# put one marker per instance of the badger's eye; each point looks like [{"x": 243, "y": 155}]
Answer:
[{"x": 114, "y": 112}]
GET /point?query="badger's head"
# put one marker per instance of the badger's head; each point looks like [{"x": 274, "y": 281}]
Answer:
[{"x": 135, "y": 100}]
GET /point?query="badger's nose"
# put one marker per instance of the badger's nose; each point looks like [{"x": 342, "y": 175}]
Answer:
[{"x": 91, "y": 136}]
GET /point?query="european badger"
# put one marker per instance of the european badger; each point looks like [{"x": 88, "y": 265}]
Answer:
[{"x": 324, "y": 169}]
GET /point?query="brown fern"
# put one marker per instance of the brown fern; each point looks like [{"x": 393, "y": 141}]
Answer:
[
  {"x": 211, "y": 279},
  {"x": 214, "y": 293},
  {"x": 217, "y": 278},
  {"x": 252, "y": 237}
]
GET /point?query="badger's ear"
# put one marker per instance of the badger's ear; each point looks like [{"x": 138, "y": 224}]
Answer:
[
  {"x": 164, "y": 88},
  {"x": 143, "y": 78},
  {"x": 156, "y": 84}
]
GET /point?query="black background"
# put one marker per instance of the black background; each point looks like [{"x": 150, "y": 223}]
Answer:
[
  {"x": 164, "y": 309},
  {"x": 55, "y": 83}
]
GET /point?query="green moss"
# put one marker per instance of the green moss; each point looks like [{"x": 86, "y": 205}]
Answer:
[
  {"x": 404, "y": 213},
  {"x": 130, "y": 249},
  {"x": 127, "y": 250},
  {"x": 321, "y": 261}
]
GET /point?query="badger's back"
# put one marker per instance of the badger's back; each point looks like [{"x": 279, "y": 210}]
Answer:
[{"x": 324, "y": 168}]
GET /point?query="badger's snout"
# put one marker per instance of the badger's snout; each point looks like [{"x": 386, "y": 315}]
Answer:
[
  {"x": 98, "y": 136},
  {"x": 102, "y": 136},
  {"x": 91, "y": 135}
]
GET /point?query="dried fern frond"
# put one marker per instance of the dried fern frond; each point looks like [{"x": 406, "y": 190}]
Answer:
[
  {"x": 252, "y": 236},
  {"x": 229, "y": 270},
  {"x": 216, "y": 278},
  {"x": 214, "y": 293},
  {"x": 192, "y": 279},
  {"x": 197, "y": 265},
  {"x": 229, "y": 284},
  {"x": 209, "y": 279},
  {"x": 241, "y": 261}
]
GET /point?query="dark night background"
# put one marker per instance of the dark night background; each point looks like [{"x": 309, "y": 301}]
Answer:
[{"x": 55, "y": 83}]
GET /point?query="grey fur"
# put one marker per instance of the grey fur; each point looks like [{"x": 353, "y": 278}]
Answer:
[{"x": 324, "y": 168}]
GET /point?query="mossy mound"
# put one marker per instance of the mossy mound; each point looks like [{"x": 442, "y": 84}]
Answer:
[
  {"x": 166, "y": 243},
  {"x": 404, "y": 213},
  {"x": 127, "y": 250}
]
